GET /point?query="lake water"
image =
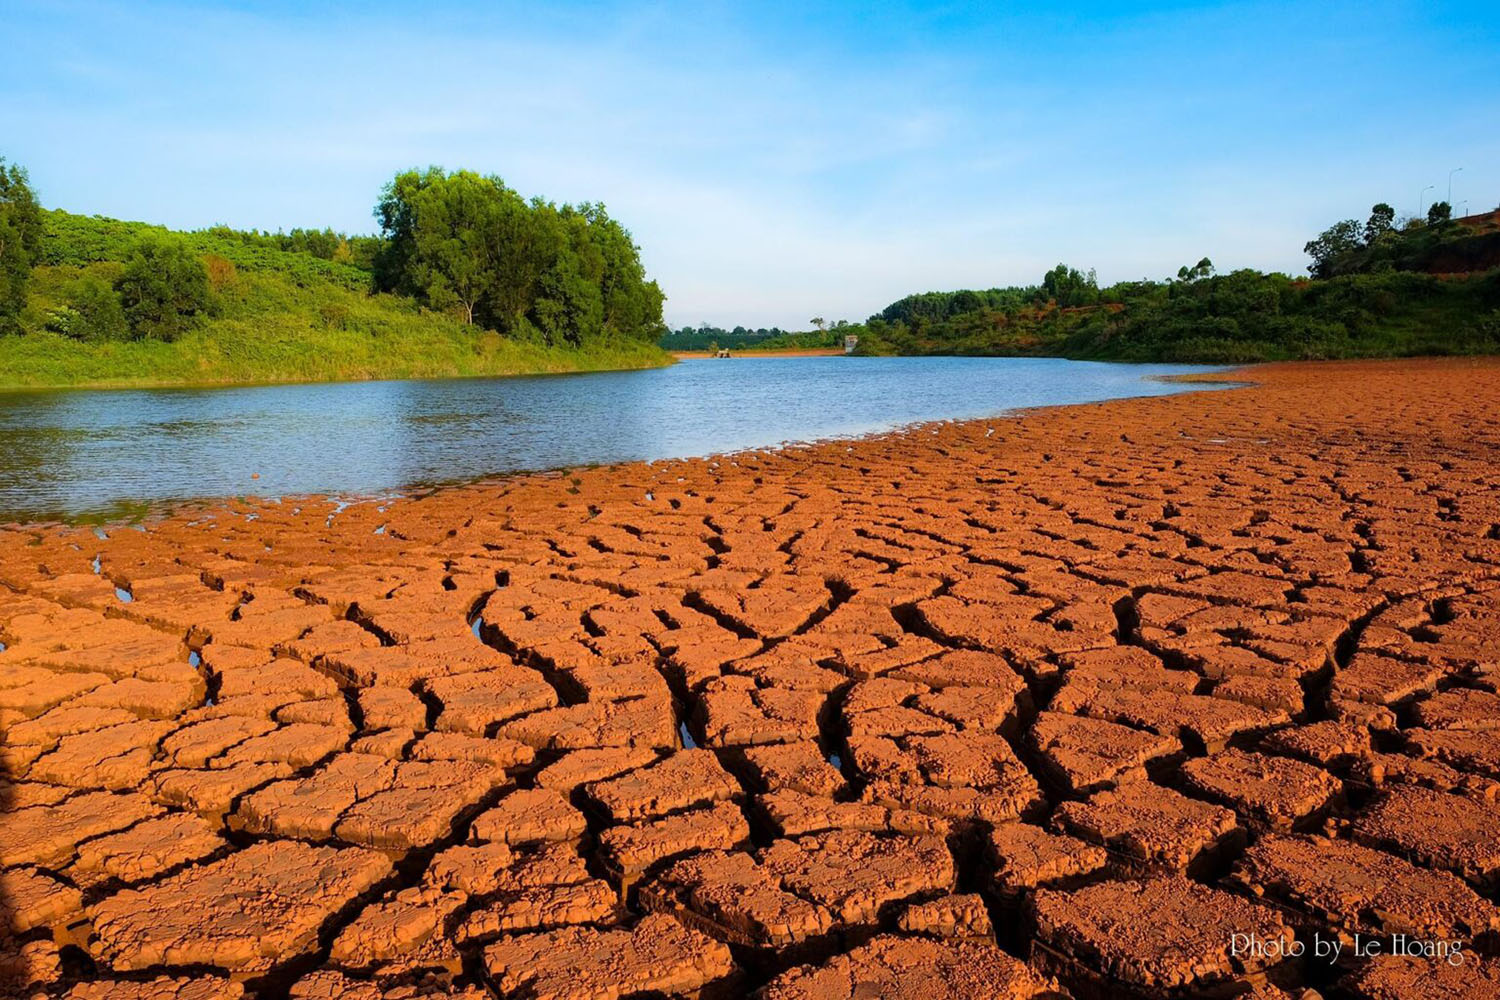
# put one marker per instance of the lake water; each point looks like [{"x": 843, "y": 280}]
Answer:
[{"x": 84, "y": 453}]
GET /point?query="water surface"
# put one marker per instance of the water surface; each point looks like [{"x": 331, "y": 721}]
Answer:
[{"x": 78, "y": 453}]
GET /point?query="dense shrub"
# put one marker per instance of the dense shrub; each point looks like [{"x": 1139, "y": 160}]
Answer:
[
  {"x": 163, "y": 288},
  {"x": 93, "y": 312}
]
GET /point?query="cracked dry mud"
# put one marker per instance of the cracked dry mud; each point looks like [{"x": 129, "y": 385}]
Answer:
[{"x": 1037, "y": 707}]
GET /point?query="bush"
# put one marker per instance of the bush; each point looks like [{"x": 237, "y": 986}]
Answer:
[
  {"x": 94, "y": 312},
  {"x": 164, "y": 289}
]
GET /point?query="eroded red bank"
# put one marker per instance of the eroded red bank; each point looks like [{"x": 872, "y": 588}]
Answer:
[{"x": 1058, "y": 705}]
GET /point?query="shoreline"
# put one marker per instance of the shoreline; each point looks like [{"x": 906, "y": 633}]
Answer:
[
  {"x": 791, "y": 352},
  {"x": 1178, "y": 627}
]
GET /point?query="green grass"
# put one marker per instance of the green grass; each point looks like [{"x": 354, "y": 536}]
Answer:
[{"x": 282, "y": 317}]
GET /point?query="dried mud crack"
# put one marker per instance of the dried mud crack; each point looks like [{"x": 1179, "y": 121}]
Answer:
[{"x": 1024, "y": 708}]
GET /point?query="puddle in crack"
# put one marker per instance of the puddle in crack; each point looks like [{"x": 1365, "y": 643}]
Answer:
[
  {"x": 838, "y": 764},
  {"x": 123, "y": 596},
  {"x": 100, "y": 534},
  {"x": 380, "y": 530},
  {"x": 96, "y": 565},
  {"x": 476, "y": 625},
  {"x": 194, "y": 660},
  {"x": 688, "y": 743}
]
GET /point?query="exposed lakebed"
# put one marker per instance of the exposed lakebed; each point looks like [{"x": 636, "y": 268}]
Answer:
[{"x": 78, "y": 453}]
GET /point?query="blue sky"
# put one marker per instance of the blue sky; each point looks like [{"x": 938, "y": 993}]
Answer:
[{"x": 774, "y": 161}]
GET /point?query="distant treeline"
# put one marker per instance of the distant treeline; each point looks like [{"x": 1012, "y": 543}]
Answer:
[
  {"x": 1371, "y": 294},
  {"x": 711, "y": 338}
]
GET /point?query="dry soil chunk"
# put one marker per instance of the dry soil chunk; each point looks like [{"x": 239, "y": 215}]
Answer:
[
  {"x": 792, "y": 766},
  {"x": 1459, "y": 708},
  {"x": 1148, "y": 825},
  {"x": 735, "y": 899},
  {"x": 1436, "y": 830},
  {"x": 162, "y": 988},
  {"x": 853, "y": 874},
  {"x": 1159, "y": 933},
  {"x": 659, "y": 955},
  {"x": 584, "y": 766},
  {"x": 629, "y": 850},
  {"x": 893, "y": 968},
  {"x": 1393, "y": 977},
  {"x": 963, "y": 916},
  {"x": 1084, "y": 754},
  {"x": 249, "y": 912},
  {"x": 1362, "y": 889},
  {"x": 685, "y": 779},
  {"x": 34, "y": 899},
  {"x": 1466, "y": 750},
  {"x": 48, "y": 834},
  {"x": 1025, "y": 856},
  {"x": 1273, "y": 792},
  {"x": 148, "y": 848},
  {"x": 529, "y": 815}
]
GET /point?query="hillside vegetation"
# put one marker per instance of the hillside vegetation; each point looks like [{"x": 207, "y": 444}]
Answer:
[
  {"x": 101, "y": 302},
  {"x": 1382, "y": 288},
  {"x": 1371, "y": 293}
]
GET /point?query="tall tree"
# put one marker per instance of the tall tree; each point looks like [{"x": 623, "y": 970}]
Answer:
[
  {"x": 20, "y": 242},
  {"x": 1382, "y": 220},
  {"x": 444, "y": 233},
  {"x": 1068, "y": 286}
]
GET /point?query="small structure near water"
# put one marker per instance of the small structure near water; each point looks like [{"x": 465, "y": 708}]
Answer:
[{"x": 850, "y": 343}]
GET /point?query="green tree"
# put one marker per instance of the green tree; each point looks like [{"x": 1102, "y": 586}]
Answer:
[
  {"x": 20, "y": 242},
  {"x": 1332, "y": 243},
  {"x": 1203, "y": 269},
  {"x": 1382, "y": 220},
  {"x": 1439, "y": 213},
  {"x": 446, "y": 233},
  {"x": 1068, "y": 286},
  {"x": 163, "y": 288},
  {"x": 566, "y": 274}
]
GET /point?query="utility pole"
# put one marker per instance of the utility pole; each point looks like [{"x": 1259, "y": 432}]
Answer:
[
  {"x": 1450, "y": 183},
  {"x": 1422, "y": 198}
]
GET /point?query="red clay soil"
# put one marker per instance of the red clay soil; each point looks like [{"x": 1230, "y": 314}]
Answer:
[{"x": 1048, "y": 706}]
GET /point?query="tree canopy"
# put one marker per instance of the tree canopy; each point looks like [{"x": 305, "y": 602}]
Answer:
[
  {"x": 20, "y": 242},
  {"x": 163, "y": 288},
  {"x": 465, "y": 242}
]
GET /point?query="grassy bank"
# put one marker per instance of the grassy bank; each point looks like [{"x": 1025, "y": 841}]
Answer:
[
  {"x": 258, "y": 354},
  {"x": 273, "y": 316}
]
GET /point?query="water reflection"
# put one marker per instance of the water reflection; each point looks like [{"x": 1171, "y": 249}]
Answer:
[{"x": 79, "y": 453}]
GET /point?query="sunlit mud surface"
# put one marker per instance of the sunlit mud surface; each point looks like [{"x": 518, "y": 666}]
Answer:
[{"x": 1046, "y": 706}]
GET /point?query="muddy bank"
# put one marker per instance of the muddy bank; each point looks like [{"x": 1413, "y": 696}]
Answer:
[
  {"x": 1034, "y": 707},
  {"x": 750, "y": 352}
]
